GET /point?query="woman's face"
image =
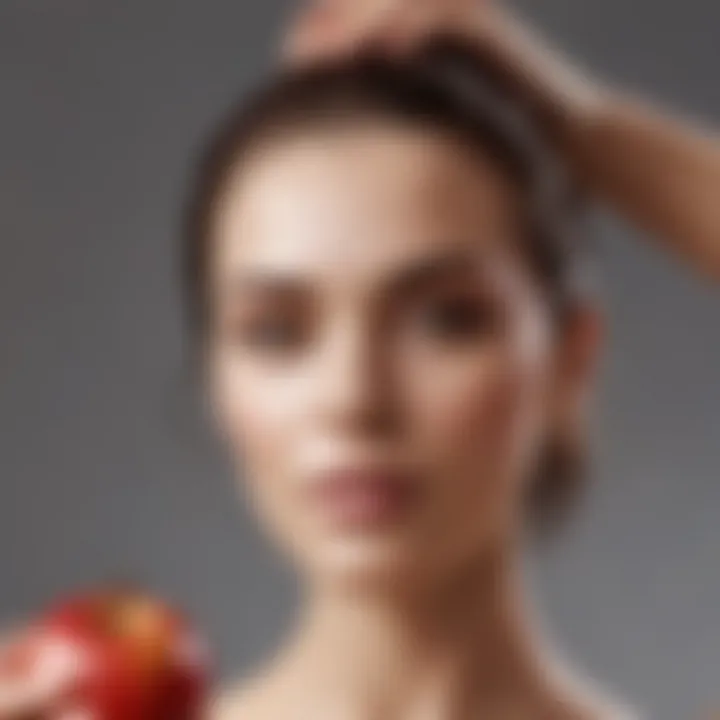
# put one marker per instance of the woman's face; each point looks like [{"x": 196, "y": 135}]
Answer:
[{"x": 382, "y": 364}]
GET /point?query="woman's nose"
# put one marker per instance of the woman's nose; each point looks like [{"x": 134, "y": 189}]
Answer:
[{"x": 355, "y": 381}]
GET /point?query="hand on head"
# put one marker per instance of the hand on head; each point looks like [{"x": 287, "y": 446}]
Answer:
[{"x": 327, "y": 28}]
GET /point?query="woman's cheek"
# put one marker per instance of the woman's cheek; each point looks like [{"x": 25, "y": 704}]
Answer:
[
  {"x": 483, "y": 413},
  {"x": 258, "y": 410},
  {"x": 253, "y": 409}
]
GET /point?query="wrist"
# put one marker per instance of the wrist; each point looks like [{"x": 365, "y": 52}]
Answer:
[{"x": 558, "y": 91}]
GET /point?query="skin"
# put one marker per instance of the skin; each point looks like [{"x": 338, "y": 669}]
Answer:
[
  {"x": 344, "y": 240},
  {"x": 661, "y": 172}
]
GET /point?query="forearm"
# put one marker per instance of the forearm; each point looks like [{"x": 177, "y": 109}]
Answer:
[{"x": 661, "y": 173}]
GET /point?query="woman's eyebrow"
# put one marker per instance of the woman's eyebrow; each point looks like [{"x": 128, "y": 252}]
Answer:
[
  {"x": 438, "y": 267},
  {"x": 413, "y": 277},
  {"x": 267, "y": 282}
]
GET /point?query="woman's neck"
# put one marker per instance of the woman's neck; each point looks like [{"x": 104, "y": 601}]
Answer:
[{"x": 464, "y": 648}]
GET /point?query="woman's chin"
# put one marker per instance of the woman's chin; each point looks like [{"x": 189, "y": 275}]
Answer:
[{"x": 373, "y": 564}]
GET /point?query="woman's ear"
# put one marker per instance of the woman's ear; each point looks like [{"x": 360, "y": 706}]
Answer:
[{"x": 565, "y": 454}]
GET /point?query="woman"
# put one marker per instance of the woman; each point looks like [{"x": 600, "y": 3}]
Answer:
[
  {"x": 387, "y": 283},
  {"x": 383, "y": 276}
]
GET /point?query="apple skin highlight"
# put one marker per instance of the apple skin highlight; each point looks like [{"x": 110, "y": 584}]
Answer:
[{"x": 135, "y": 656}]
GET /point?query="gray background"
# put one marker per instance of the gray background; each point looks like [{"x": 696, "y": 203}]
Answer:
[{"x": 104, "y": 467}]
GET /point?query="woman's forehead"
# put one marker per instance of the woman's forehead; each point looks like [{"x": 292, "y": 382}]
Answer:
[{"x": 363, "y": 199}]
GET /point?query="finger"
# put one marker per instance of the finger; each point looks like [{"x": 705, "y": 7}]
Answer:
[
  {"x": 370, "y": 26},
  {"x": 311, "y": 33},
  {"x": 322, "y": 29},
  {"x": 309, "y": 46},
  {"x": 432, "y": 19},
  {"x": 348, "y": 28},
  {"x": 406, "y": 31}
]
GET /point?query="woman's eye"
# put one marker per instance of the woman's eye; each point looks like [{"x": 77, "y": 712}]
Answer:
[
  {"x": 270, "y": 335},
  {"x": 454, "y": 319}
]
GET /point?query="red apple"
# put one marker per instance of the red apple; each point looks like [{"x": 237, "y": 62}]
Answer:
[{"x": 137, "y": 657}]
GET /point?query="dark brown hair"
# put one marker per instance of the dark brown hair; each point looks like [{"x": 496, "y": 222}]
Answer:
[{"x": 444, "y": 87}]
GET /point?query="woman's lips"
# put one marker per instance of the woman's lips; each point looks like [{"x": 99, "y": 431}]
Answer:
[{"x": 357, "y": 497}]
